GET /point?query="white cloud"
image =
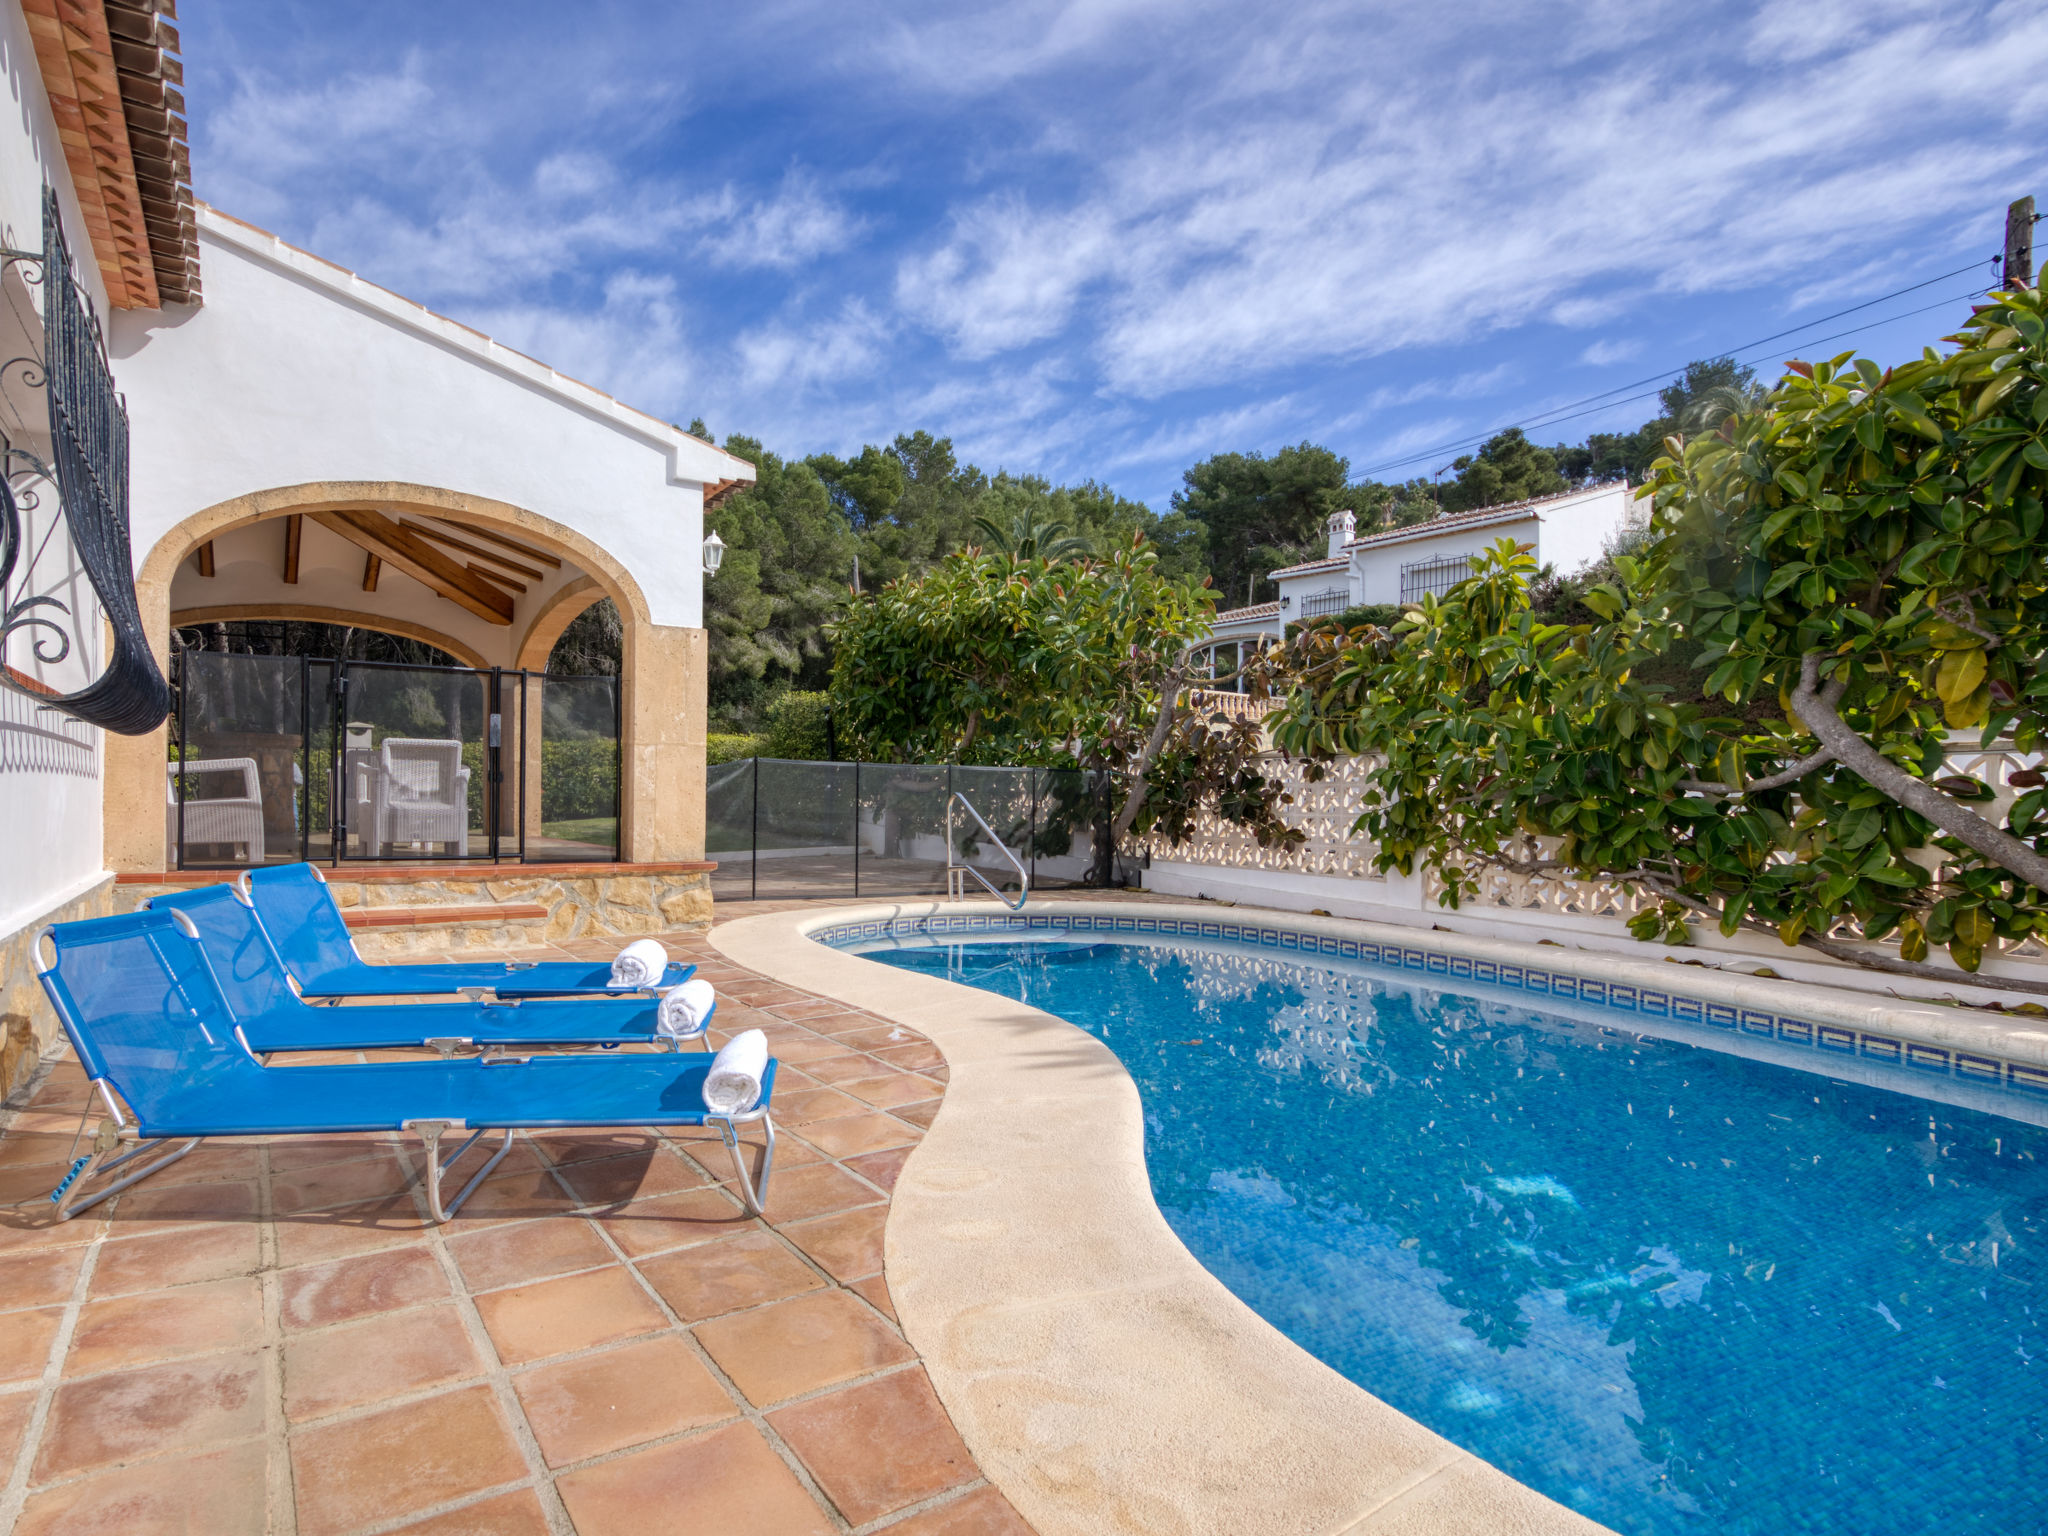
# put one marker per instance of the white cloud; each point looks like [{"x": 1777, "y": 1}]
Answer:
[
  {"x": 792, "y": 227},
  {"x": 633, "y": 344},
  {"x": 793, "y": 355},
  {"x": 1618, "y": 349}
]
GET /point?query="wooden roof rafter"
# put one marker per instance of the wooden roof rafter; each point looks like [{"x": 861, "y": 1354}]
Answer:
[{"x": 395, "y": 545}]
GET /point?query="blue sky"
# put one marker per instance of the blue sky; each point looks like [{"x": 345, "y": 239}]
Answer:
[{"x": 1107, "y": 238}]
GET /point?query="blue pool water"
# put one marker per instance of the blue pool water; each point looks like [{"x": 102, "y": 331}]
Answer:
[{"x": 1679, "y": 1290}]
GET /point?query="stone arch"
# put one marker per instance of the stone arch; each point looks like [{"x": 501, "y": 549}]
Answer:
[
  {"x": 562, "y": 610},
  {"x": 314, "y": 613},
  {"x": 662, "y": 667}
]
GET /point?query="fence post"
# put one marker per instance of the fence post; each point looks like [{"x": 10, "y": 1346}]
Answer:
[
  {"x": 857, "y": 839},
  {"x": 754, "y": 839}
]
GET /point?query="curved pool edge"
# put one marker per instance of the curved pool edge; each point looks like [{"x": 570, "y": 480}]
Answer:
[{"x": 1104, "y": 1380}]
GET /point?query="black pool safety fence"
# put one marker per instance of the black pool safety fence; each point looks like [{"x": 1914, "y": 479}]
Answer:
[{"x": 782, "y": 829}]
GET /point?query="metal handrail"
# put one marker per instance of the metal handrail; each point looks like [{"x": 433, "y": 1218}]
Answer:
[{"x": 956, "y": 884}]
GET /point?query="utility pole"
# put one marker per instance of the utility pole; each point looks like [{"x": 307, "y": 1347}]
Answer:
[{"x": 2018, "y": 268}]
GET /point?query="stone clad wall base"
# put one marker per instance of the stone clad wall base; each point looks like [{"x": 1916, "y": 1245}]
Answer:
[
  {"x": 622, "y": 904},
  {"x": 27, "y": 1022}
]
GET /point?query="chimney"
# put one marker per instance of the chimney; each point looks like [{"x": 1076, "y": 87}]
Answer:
[{"x": 1343, "y": 527}]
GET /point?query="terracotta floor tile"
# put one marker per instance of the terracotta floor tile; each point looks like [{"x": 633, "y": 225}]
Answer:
[
  {"x": 670, "y": 1221},
  {"x": 875, "y": 1037},
  {"x": 878, "y": 1447},
  {"x": 211, "y": 1161},
  {"x": 518, "y": 1197},
  {"x": 562, "y": 1148},
  {"x": 30, "y": 1230},
  {"x": 323, "y": 1185},
  {"x": 881, "y": 1169},
  {"x": 370, "y": 1282},
  {"x": 888, "y": 1092},
  {"x": 384, "y": 1357},
  {"x": 818, "y": 1189},
  {"x": 290, "y": 1154},
  {"x": 874, "y": 1289},
  {"x": 801, "y": 1345},
  {"x": 850, "y": 1135},
  {"x": 734, "y": 1272},
  {"x": 809, "y": 1009},
  {"x": 22, "y": 1149},
  {"x": 210, "y": 1252},
  {"x": 855, "y": 1022},
  {"x": 15, "y": 1408},
  {"x": 162, "y": 1325},
  {"x": 384, "y": 1465},
  {"x": 814, "y": 1104},
  {"x": 528, "y": 1250},
  {"x": 615, "y": 1180},
  {"x": 620, "y": 1397},
  {"x": 728, "y": 1481},
  {"x": 553, "y": 1317},
  {"x": 920, "y": 1115},
  {"x": 984, "y": 1512},
  {"x": 156, "y": 1408},
  {"x": 216, "y": 1493},
  {"x": 847, "y": 1245},
  {"x": 25, "y": 1339},
  {"x": 509, "y": 1514},
  {"x": 845, "y": 1069},
  {"x": 917, "y": 1056},
  {"x": 807, "y": 1053},
  {"x": 152, "y": 1207},
  {"x": 39, "y": 1279},
  {"x": 355, "y": 1229}
]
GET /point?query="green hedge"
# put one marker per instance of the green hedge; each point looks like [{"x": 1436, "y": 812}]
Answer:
[{"x": 725, "y": 747}]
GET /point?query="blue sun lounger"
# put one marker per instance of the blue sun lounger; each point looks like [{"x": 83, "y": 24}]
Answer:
[
  {"x": 273, "y": 1018},
  {"x": 142, "y": 1007},
  {"x": 298, "y": 911}
]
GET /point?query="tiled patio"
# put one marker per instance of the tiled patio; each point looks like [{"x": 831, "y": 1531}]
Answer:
[{"x": 271, "y": 1338}]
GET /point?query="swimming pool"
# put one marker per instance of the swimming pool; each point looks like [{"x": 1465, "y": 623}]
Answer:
[{"x": 1674, "y": 1288}]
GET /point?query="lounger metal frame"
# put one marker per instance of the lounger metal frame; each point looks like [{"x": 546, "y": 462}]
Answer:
[{"x": 70, "y": 1200}]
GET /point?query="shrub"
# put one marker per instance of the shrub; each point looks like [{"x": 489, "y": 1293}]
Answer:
[
  {"x": 798, "y": 726},
  {"x": 730, "y": 747}
]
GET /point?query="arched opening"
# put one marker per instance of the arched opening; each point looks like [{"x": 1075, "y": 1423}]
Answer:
[{"x": 492, "y": 584}]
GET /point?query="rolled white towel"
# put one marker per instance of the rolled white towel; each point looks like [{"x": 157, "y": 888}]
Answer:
[
  {"x": 686, "y": 1009},
  {"x": 641, "y": 963},
  {"x": 733, "y": 1085}
]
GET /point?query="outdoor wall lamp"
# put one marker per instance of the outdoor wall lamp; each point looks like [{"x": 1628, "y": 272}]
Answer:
[{"x": 714, "y": 553}]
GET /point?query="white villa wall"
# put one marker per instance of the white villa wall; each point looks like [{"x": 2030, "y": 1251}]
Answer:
[
  {"x": 50, "y": 767},
  {"x": 296, "y": 371},
  {"x": 1577, "y": 533},
  {"x": 1378, "y": 566}
]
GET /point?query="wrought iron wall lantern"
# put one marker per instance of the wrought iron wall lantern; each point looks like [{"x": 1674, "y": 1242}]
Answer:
[{"x": 88, "y": 469}]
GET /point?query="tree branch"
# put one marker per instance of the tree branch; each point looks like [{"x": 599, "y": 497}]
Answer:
[
  {"x": 1169, "y": 706},
  {"x": 1849, "y": 953},
  {"x": 1778, "y": 780},
  {"x": 1816, "y": 710}
]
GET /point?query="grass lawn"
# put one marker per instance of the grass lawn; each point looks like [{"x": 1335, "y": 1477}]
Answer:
[{"x": 592, "y": 829}]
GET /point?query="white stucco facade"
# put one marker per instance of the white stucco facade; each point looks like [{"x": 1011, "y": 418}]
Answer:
[
  {"x": 50, "y": 766},
  {"x": 297, "y": 371}
]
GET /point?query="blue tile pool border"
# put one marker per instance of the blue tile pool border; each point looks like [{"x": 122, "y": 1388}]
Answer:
[{"x": 1621, "y": 997}]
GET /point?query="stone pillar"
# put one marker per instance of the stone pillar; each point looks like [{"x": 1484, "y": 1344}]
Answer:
[
  {"x": 665, "y": 679},
  {"x": 135, "y": 769}
]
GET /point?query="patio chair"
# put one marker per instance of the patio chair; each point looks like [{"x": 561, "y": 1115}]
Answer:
[
  {"x": 306, "y": 928},
  {"x": 144, "y": 1010},
  {"x": 421, "y": 794},
  {"x": 272, "y": 1017},
  {"x": 236, "y": 820}
]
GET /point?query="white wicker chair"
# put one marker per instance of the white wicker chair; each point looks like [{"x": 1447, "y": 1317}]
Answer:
[
  {"x": 236, "y": 820},
  {"x": 422, "y": 794}
]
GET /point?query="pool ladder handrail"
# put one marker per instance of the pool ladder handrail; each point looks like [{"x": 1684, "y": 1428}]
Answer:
[{"x": 957, "y": 872}]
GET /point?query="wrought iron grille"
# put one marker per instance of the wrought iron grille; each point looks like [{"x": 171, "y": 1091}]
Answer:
[
  {"x": 89, "y": 466},
  {"x": 1433, "y": 578},
  {"x": 1334, "y": 600}
]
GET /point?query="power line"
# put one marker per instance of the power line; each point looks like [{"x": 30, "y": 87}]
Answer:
[{"x": 1605, "y": 400}]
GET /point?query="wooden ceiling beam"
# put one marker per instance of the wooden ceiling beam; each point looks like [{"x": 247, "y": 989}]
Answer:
[
  {"x": 397, "y": 546},
  {"x": 498, "y": 538},
  {"x": 449, "y": 539},
  {"x": 501, "y": 580}
]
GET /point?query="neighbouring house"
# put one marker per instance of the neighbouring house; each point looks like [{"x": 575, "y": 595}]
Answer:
[
  {"x": 1402, "y": 565},
  {"x": 202, "y": 423}
]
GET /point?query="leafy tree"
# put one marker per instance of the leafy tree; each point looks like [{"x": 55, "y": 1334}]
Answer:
[
  {"x": 1509, "y": 468},
  {"x": 993, "y": 659},
  {"x": 1259, "y": 513},
  {"x": 1698, "y": 400},
  {"x": 1853, "y": 572},
  {"x": 789, "y": 559}
]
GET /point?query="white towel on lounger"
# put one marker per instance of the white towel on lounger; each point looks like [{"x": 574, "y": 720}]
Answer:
[
  {"x": 641, "y": 963},
  {"x": 686, "y": 1009},
  {"x": 733, "y": 1085}
]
